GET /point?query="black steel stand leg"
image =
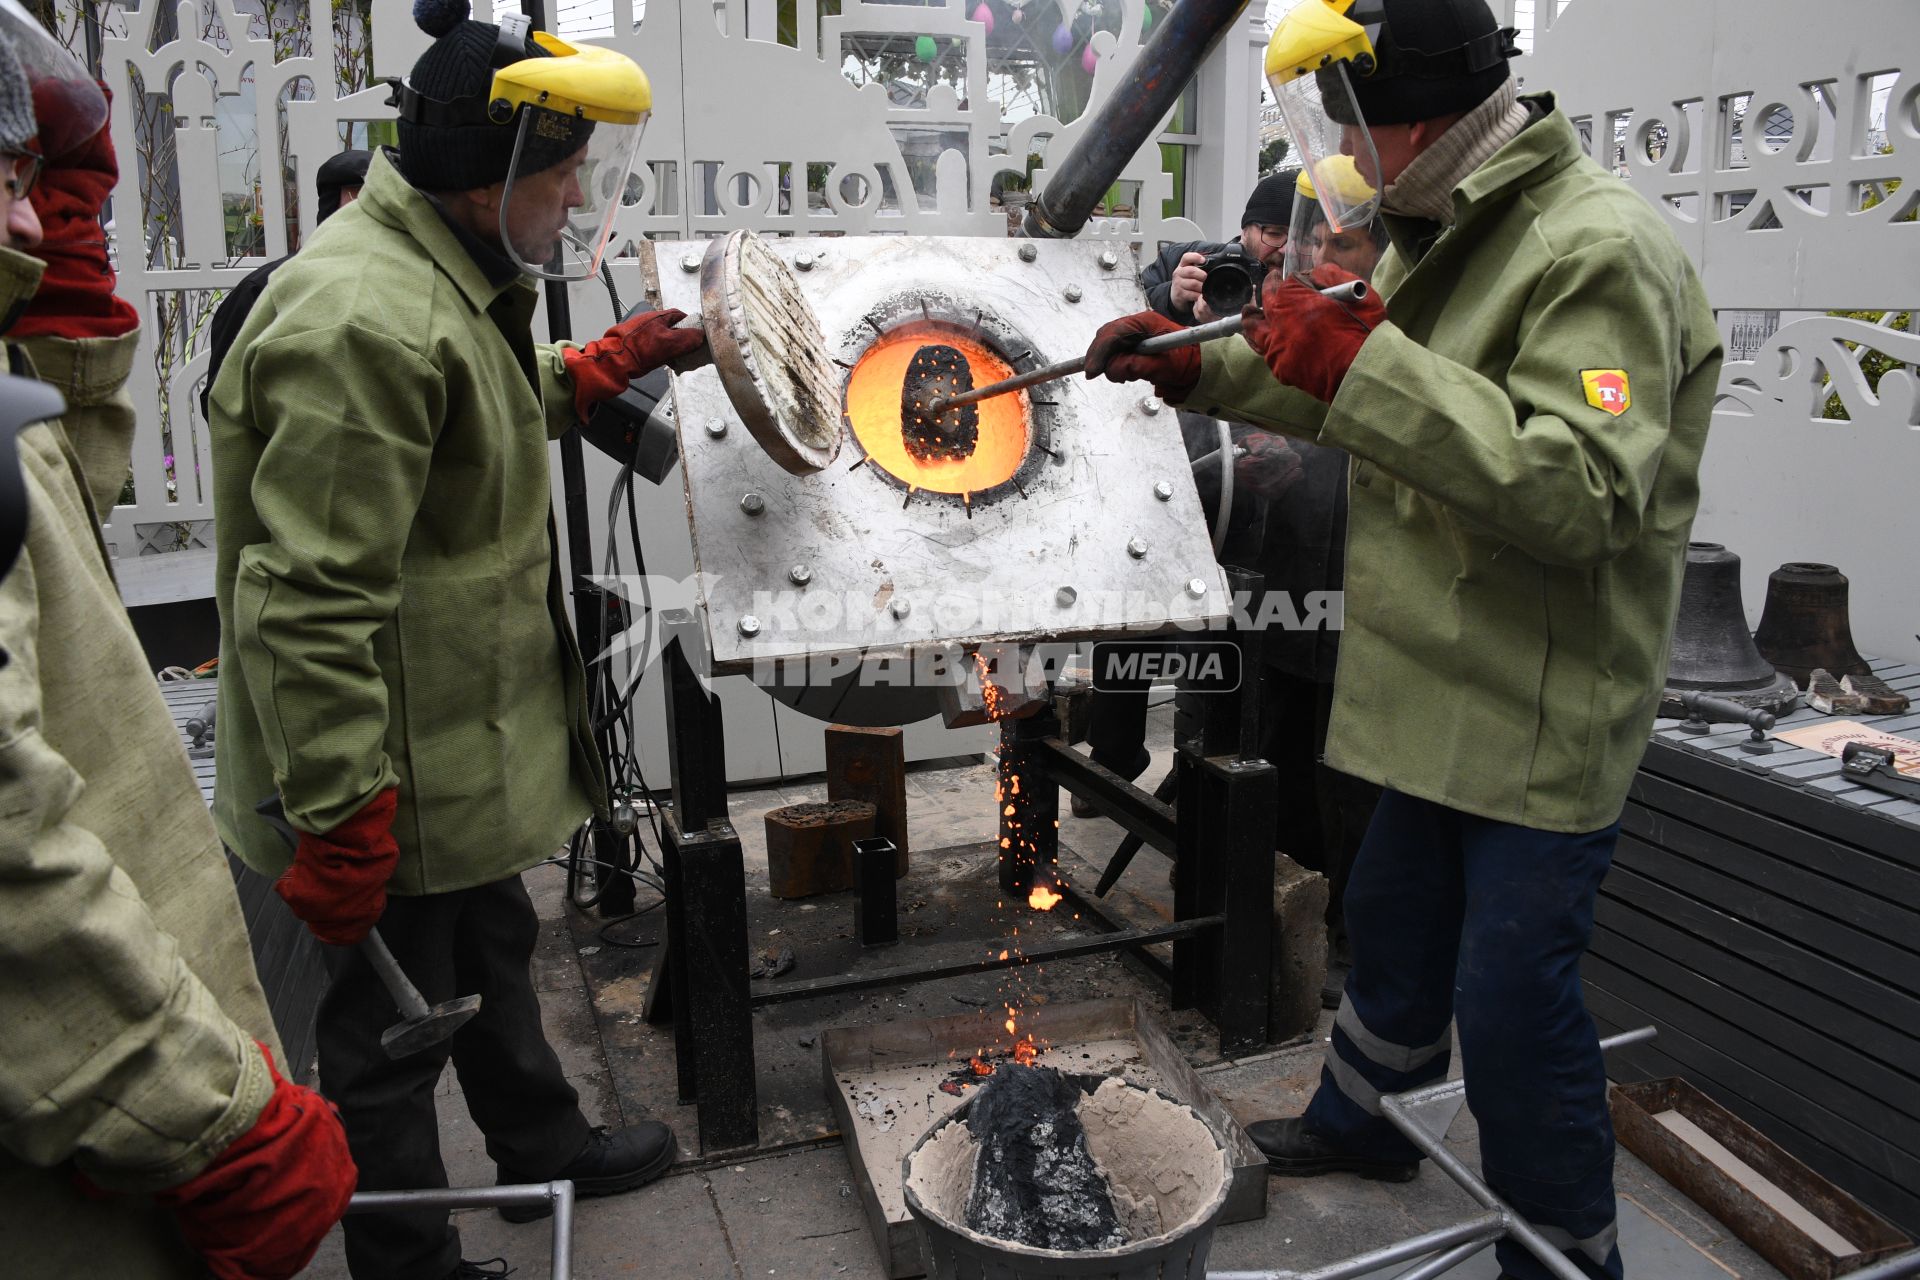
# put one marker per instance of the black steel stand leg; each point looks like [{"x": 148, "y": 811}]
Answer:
[
  {"x": 1029, "y": 802},
  {"x": 1241, "y": 796},
  {"x": 1224, "y": 855},
  {"x": 706, "y": 919},
  {"x": 719, "y": 1015},
  {"x": 1191, "y": 956}
]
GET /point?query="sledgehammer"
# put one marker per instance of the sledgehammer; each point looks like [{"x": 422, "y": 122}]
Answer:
[{"x": 420, "y": 1024}]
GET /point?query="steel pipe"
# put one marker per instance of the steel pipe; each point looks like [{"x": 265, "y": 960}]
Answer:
[
  {"x": 1033, "y": 953},
  {"x": 1440, "y": 1264},
  {"x": 559, "y": 1194},
  {"x": 1522, "y": 1231},
  {"x": 1397, "y": 1109},
  {"x": 1129, "y": 116},
  {"x": 1478, "y": 1232}
]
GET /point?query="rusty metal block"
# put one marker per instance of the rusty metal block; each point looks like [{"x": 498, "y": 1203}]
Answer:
[
  {"x": 810, "y": 846},
  {"x": 871, "y": 765}
]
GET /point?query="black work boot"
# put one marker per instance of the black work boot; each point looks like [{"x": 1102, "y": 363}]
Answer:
[
  {"x": 613, "y": 1161},
  {"x": 1292, "y": 1151}
]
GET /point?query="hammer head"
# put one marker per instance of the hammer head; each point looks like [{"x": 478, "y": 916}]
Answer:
[{"x": 441, "y": 1021}]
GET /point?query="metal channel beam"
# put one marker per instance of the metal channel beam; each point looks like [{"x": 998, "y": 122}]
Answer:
[
  {"x": 818, "y": 987},
  {"x": 1140, "y": 813}
]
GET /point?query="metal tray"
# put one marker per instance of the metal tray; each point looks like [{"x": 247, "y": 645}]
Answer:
[{"x": 1117, "y": 1035}]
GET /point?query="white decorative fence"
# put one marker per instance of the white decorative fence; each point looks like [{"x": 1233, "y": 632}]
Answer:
[
  {"x": 758, "y": 122},
  {"x": 834, "y": 118}
]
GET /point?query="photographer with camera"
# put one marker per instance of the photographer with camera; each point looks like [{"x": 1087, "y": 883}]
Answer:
[
  {"x": 1180, "y": 284},
  {"x": 1287, "y": 518},
  {"x": 1177, "y": 282}
]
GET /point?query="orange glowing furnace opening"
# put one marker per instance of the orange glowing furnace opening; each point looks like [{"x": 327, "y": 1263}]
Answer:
[{"x": 873, "y": 411}]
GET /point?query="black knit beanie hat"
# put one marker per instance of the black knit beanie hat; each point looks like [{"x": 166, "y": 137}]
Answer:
[
  {"x": 1271, "y": 204},
  {"x": 1435, "y": 57},
  {"x": 17, "y": 126},
  {"x": 459, "y": 65}
]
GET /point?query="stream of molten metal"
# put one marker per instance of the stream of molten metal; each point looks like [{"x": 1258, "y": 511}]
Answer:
[{"x": 873, "y": 408}]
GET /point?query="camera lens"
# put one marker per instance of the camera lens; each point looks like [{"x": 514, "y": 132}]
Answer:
[{"x": 1228, "y": 288}]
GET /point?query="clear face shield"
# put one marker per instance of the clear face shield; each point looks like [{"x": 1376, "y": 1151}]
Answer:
[
  {"x": 67, "y": 101},
  {"x": 564, "y": 188},
  {"x": 1328, "y": 134},
  {"x": 1303, "y": 235},
  {"x": 1314, "y": 239}
]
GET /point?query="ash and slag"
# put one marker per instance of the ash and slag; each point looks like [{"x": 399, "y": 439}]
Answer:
[
  {"x": 938, "y": 371},
  {"x": 1034, "y": 1180}
]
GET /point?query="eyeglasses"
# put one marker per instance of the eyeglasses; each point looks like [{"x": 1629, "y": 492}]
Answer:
[
  {"x": 22, "y": 170},
  {"x": 1274, "y": 236}
]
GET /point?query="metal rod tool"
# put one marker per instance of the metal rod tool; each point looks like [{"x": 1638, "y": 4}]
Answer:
[
  {"x": 421, "y": 1024},
  {"x": 1351, "y": 291}
]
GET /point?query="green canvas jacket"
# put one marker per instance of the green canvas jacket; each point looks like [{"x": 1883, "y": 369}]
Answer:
[
  {"x": 391, "y": 607},
  {"x": 1514, "y": 548},
  {"x": 127, "y": 989}
]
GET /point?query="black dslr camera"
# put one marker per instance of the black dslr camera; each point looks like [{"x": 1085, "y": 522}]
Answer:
[{"x": 1234, "y": 277}]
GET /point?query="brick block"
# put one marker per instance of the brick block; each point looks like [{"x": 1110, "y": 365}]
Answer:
[
  {"x": 810, "y": 846},
  {"x": 871, "y": 765},
  {"x": 1299, "y": 950}
]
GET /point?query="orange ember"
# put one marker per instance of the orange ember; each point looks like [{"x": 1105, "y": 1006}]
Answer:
[
  {"x": 1043, "y": 898},
  {"x": 873, "y": 408},
  {"x": 1024, "y": 1051}
]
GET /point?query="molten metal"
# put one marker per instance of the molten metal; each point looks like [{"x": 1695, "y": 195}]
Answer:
[
  {"x": 1043, "y": 898},
  {"x": 873, "y": 410}
]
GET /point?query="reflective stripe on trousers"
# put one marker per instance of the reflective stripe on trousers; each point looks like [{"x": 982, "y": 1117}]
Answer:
[{"x": 1453, "y": 917}]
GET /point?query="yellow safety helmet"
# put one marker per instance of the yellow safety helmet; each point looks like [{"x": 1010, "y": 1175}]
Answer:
[
  {"x": 1309, "y": 216},
  {"x": 580, "y": 80},
  {"x": 578, "y": 112}
]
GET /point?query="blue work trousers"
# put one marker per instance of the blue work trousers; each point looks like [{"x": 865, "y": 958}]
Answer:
[{"x": 1459, "y": 918}]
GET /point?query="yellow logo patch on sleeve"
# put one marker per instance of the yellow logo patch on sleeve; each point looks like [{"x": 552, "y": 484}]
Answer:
[{"x": 1607, "y": 389}]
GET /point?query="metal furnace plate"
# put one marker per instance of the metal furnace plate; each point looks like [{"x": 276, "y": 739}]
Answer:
[{"x": 1104, "y": 535}]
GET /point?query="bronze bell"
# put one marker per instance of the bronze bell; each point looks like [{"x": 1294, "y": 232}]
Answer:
[
  {"x": 1805, "y": 622},
  {"x": 1713, "y": 652}
]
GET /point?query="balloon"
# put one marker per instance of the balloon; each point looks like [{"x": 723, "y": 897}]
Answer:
[
  {"x": 925, "y": 49},
  {"x": 1089, "y": 60},
  {"x": 984, "y": 16},
  {"x": 1062, "y": 39}
]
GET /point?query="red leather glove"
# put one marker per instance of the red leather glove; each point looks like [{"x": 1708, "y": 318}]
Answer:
[
  {"x": 1112, "y": 355},
  {"x": 338, "y": 881},
  {"x": 1308, "y": 340},
  {"x": 1269, "y": 467},
  {"x": 259, "y": 1211},
  {"x": 75, "y": 298},
  {"x": 639, "y": 344}
]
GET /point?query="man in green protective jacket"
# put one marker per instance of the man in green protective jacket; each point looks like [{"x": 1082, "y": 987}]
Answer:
[
  {"x": 1526, "y": 414},
  {"x": 144, "y": 1128},
  {"x": 396, "y": 664}
]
